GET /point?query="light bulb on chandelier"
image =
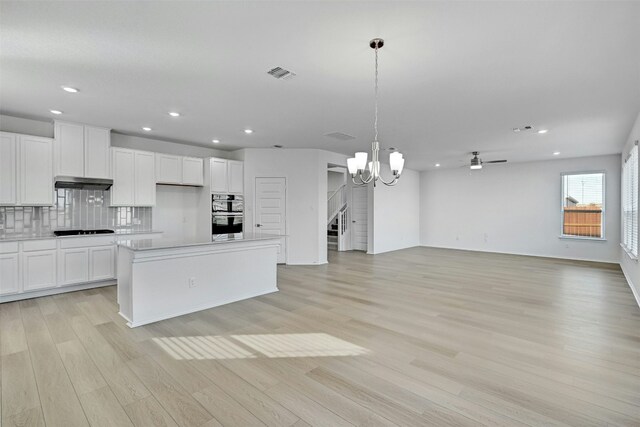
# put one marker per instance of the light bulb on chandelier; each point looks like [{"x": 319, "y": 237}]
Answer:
[{"x": 362, "y": 173}]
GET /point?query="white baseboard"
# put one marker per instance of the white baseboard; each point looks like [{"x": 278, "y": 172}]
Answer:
[
  {"x": 635, "y": 292},
  {"x": 523, "y": 254},
  {"x": 54, "y": 291}
]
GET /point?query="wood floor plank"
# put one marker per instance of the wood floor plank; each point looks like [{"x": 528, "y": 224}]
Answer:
[
  {"x": 148, "y": 412},
  {"x": 19, "y": 390},
  {"x": 84, "y": 374},
  {"x": 103, "y": 410},
  {"x": 176, "y": 400},
  {"x": 29, "y": 418}
]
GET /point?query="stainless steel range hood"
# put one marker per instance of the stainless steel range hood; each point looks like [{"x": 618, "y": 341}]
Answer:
[{"x": 83, "y": 183}]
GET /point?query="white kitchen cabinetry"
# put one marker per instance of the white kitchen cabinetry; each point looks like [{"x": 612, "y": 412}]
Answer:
[
  {"x": 8, "y": 169},
  {"x": 39, "y": 270},
  {"x": 168, "y": 169},
  {"x": 134, "y": 178},
  {"x": 35, "y": 171},
  {"x": 97, "y": 161},
  {"x": 9, "y": 273},
  {"x": 178, "y": 170},
  {"x": 102, "y": 263},
  {"x": 192, "y": 171},
  {"x": 73, "y": 266},
  {"x": 82, "y": 151},
  {"x": 227, "y": 176},
  {"x": 235, "y": 171}
]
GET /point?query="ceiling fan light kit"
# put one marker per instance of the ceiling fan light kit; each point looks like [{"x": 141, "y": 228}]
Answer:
[
  {"x": 362, "y": 173},
  {"x": 476, "y": 162}
]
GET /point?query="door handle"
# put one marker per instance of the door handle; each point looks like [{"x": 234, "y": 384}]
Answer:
[
  {"x": 353, "y": 221},
  {"x": 258, "y": 225}
]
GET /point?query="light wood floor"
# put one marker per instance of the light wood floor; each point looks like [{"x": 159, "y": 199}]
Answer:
[{"x": 415, "y": 337}]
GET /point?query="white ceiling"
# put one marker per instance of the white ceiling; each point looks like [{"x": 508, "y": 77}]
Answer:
[{"x": 454, "y": 76}]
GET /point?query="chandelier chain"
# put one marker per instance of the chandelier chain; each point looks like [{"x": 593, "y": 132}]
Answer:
[{"x": 375, "y": 122}]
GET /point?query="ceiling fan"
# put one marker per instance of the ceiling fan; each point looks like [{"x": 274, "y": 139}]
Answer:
[{"x": 476, "y": 162}]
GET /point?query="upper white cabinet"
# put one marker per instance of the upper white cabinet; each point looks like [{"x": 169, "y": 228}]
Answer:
[
  {"x": 26, "y": 170},
  {"x": 82, "y": 151},
  {"x": 97, "y": 161},
  {"x": 235, "y": 171},
  {"x": 227, "y": 176},
  {"x": 192, "y": 171},
  {"x": 35, "y": 170},
  {"x": 178, "y": 170},
  {"x": 8, "y": 169},
  {"x": 134, "y": 181}
]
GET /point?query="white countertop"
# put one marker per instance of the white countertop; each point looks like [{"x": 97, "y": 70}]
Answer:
[
  {"x": 174, "y": 243},
  {"x": 17, "y": 237}
]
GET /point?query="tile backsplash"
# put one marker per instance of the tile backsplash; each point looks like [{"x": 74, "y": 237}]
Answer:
[{"x": 73, "y": 209}]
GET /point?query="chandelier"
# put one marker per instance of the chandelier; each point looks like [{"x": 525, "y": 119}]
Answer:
[{"x": 362, "y": 173}]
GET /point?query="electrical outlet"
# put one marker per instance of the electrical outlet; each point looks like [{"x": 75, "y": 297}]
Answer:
[{"x": 192, "y": 282}]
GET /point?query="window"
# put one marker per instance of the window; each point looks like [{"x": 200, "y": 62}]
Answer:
[
  {"x": 630, "y": 202},
  {"x": 583, "y": 205}
]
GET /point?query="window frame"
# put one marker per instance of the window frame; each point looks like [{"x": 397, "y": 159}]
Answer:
[
  {"x": 603, "y": 236},
  {"x": 629, "y": 250}
]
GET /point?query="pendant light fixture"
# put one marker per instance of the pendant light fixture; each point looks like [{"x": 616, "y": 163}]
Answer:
[{"x": 362, "y": 173}]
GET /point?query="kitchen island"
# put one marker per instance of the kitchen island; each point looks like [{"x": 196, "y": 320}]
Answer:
[{"x": 163, "y": 278}]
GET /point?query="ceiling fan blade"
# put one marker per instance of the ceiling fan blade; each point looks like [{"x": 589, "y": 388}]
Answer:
[{"x": 496, "y": 161}]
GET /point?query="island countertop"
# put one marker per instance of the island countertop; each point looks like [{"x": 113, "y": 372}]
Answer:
[{"x": 174, "y": 243}]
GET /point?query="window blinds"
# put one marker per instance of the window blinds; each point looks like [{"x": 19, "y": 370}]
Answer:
[{"x": 630, "y": 202}]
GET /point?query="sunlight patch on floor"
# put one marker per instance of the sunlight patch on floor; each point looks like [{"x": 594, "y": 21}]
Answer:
[{"x": 257, "y": 345}]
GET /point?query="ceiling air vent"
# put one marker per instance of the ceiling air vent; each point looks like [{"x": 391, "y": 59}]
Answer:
[
  {"x": 340, "y": 136},
  {"x": 281, "y": 73}
]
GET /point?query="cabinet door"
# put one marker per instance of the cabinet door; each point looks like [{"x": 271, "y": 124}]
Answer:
[
  {"x": 236, "y": 177},
  {"x": 218, "y": 176},
  {"x": 102, "y": 263},
  {"x": 36, "y": 170},
  {"x": 168, "y": 169},
  {"x": 73, "y": 266},
  {"x": 39, "y": 270},
  {"x": 145, "y": 182},
  {"x": 123, "y": 172},
  {"x": 9, "y": 279},
  {"x": 8, "y": 169},
  {"x": 97, "y": 142},
  {"x": 69, "y": 149},
  {"x": 192, "y": 171}
]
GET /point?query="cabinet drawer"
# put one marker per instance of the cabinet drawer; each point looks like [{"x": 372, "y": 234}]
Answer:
[
  {"x": 85, "y": 242},
  {"x": 38, "y": 245},
  {"x": 8, "y": 247}
]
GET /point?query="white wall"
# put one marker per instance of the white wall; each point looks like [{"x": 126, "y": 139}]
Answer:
[
  {"x": 176, "y": 211},
  {"x": 306, "y": 173},
  {"x": 334, "y": 180},
  {"x": 26, "y": 126},
  {"x": 631, "y": 268},
  {"x": 515, "y": 208},
  {"x": 395, "y": 213}
]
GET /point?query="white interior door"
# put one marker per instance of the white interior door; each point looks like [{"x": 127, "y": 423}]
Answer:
[
  {"x": 359, "y": 218},
  {"x": 271, "y": 210}
]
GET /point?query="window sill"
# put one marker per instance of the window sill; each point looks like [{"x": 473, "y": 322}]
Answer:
[
  {"x": 629, "y": 254},
  {"x": 588, "y": 239}
]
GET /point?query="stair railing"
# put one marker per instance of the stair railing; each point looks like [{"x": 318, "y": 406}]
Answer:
[{"x": 336, "y": 201}]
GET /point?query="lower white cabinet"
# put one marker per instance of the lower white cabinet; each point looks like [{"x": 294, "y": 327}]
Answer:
[
  {"x": 9, "y": 274},
  {"x": 38, "y": 270},
  {"x": 102, "y": 263},
  {"x": 73, "y": 266}
]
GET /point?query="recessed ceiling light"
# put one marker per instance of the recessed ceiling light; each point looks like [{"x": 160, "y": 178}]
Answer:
[
  {"x": 248, "y": 131},
  {"x": 556, "y": 153},
  {"x": 541, "y": 131},
  {"x": 174, "y": 114},
  {"x": 215, "y": 141},
  {"x": 148, "y": 129},
  {"x": 55, "y": 111},
  {"x": 437, "y": 165},
  {"x": 70, "y": 89}
]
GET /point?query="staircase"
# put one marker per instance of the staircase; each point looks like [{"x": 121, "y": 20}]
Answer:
[
  {"x": 336, "y": 218},
  {"x": 332, "y": 235}
]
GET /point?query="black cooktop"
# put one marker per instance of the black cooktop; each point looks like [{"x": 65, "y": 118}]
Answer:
[{"x": 81, "y": 232}]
